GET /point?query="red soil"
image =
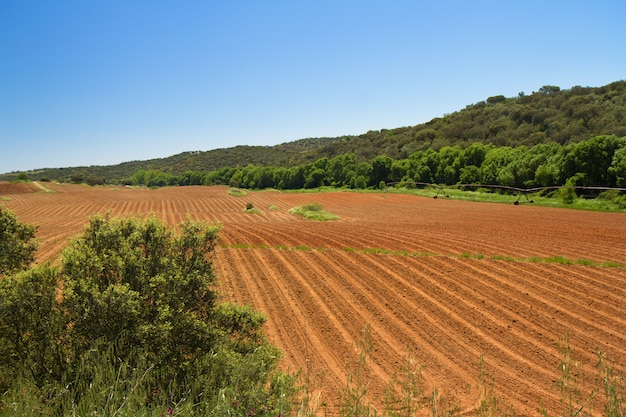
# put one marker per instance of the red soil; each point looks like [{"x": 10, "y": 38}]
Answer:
[
  {"x": 8, "y": 188},
  {"x": 446, "y": 280}
]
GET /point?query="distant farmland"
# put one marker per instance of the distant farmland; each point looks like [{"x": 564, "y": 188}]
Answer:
[{"x": 448, "y": 280}]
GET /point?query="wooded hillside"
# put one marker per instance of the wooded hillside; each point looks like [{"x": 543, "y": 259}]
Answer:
[{"x": 548, "y": 115}]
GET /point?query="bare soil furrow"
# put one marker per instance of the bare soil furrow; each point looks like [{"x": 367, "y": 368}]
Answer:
[
  {"x": 392, "y": 314},
  {"x": 556, "y": 291},
  {"x": 470, "y": 323}
]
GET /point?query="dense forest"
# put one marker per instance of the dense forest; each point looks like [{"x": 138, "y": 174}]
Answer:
[{"x": 544, "y": 138}]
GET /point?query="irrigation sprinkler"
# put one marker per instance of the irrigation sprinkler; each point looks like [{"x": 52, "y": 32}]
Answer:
[{"x": 520, "y": 192}]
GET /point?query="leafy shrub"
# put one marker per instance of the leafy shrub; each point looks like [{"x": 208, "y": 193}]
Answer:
[
  {"x": 17, "y": 243},
  {"x": 130, "y": 321}
]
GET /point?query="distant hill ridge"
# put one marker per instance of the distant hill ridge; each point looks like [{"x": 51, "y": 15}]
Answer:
[{"x": 549, "y": 114}]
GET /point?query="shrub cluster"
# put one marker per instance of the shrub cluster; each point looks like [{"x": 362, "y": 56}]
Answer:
[{"x": 129, "y": 324}]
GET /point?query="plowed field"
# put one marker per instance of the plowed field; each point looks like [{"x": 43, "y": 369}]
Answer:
[{"x": 448, "y": 280}]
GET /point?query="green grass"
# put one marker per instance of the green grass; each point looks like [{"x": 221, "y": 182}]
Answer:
[
  {"x": 314, "y": 211},
  {"x": 237, "y": 192}
]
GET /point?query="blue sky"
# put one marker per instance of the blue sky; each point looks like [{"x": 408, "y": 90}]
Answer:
[{"x": 103, "y": 82}]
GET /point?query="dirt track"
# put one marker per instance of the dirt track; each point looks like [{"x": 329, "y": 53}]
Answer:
[{"x": 447, "y": 280}]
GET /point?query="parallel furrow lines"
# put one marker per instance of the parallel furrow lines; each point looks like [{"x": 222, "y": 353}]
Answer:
[{"x": 566, "y": 302}]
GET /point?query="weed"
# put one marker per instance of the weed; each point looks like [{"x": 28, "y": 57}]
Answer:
[
  {"x": 441, "y": 406},
  {"x": 353, "y": 397},
  {"x": 614, "y": 387},
  {"x": 404, "y": 391},
  {"x": 490, "y": 404},
  {"x": 568, "y": 384}
]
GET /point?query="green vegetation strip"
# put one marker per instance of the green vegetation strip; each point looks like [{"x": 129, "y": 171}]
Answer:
[{"x": 465, "y": 255}]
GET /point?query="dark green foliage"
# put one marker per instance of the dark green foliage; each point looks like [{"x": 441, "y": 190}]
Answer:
[
  {"x": 17, "y": 243},
  {"x": 93, "y": 180}
]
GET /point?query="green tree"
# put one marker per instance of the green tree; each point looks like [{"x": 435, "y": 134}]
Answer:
[
  {"x": 381, "y": 169},
  {"x": 17, "y": 243},
  {"x": 594, "y": 157},
  {"x": 618, "y": 167},
  {"x": 315, "y": 178}
]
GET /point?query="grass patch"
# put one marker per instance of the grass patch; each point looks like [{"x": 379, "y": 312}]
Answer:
[
  {"x": 610, "y": 265},
  {"x": 240, "y": 246},
  {"x": 552, "y": 260},
  {"x": 237, "y": 192},
  {"x": 467, "y": 255},
  {"x": 314, "y": 211},
  {"x": 272, "y": 208},
  {"x": 503, "y": 258},
  {"x": 380, "y": 251}
]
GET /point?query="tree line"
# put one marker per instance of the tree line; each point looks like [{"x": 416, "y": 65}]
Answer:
[{"x": 599, "y": 161}]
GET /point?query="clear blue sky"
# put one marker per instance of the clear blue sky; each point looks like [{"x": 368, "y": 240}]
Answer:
[{"x": 102, "y": 82}]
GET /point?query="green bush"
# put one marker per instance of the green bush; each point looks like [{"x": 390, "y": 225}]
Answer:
[
  {"x": 130, "y": 324},
  {"x": 17, "y": 243}
]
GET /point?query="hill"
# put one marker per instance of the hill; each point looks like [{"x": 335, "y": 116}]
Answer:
[{"x": 550, "y": 114}]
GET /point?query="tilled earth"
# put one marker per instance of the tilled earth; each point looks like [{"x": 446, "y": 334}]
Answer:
[{"x": 446, "y": 282}]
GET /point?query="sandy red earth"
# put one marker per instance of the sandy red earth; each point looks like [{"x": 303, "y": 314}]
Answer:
[{"x": 446, "y": 280}]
